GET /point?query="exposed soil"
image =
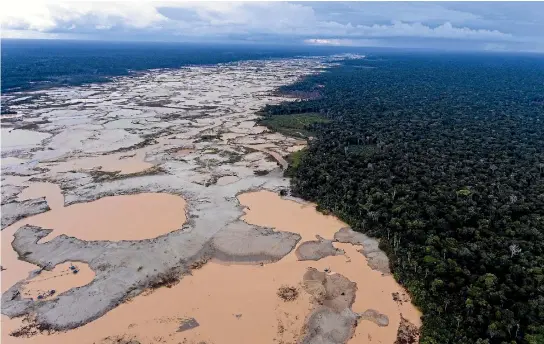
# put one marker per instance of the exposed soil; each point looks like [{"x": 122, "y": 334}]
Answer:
[
  {"x": 408, "y": 333},
  {"x": 188, "y": 324},
  {"x": 287, "y": 293}
]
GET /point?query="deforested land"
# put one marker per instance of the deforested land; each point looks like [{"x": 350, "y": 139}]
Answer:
[{"x": 154, "y": 208}]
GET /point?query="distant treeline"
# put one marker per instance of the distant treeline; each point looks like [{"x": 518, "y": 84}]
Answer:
[
  {"x": 34, "y": 64},
  {"x": 442, "y": 158}
]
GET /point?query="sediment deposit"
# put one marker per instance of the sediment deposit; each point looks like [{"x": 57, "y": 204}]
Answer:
[{"x": 148, "y": 184}]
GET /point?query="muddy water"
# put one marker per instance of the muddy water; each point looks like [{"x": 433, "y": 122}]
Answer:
[
  {"x": 232, "y": 304},
  {"x": 127, "y": 217},
  {"x": 15, "y": 269},
  {"x": 62, "y": 278},
  {"x": 374, "y": 290},
  {"x": 238, "y": 303},
  {"x": 51, "y": 192},
  {"x": 134, "y": 217},
  {"x": 121, "y": 163}
]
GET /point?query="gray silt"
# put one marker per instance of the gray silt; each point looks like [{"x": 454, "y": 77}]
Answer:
[
  {"x": 10, "y": 192},
  {"x": 317, "y": 249},
  {"x": 377, "y": 259},
  {"x": 188, "y": 324},
  {"x": 332, "y": 320},
  {"x": 17, "y": 210},
  {"x": 375, "y": 317}
]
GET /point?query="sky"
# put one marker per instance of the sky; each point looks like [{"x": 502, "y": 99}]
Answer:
[{"x": 492, "y": 26}]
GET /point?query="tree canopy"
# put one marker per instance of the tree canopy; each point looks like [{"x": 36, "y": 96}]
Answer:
[{"x": 442, "y": 158}]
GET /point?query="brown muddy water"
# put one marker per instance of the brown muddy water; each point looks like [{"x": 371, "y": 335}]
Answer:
[
  {"x": 131, "y": 217},
  {"x": 122, "y": 162},
  {"x": 239, "y": 303},
  {"x": 51, "y": 192}
]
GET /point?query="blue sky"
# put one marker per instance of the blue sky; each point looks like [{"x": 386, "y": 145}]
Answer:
[{"x": 497, "y": 26}]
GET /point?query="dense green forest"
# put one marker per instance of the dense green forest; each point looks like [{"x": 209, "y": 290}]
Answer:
[{"x": 442, "y": 158}]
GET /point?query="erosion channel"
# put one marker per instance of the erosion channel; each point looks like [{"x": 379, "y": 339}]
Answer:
[{"x": 148, "y": 210}]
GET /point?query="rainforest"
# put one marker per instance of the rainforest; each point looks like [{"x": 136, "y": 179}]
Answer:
[{"x": 441, "y": 157}]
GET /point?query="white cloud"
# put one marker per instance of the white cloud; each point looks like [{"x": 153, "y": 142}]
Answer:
[
  {"x": 66, "y": 16},
  {"x": 325, "y": 41},
  {"x": 345, "y": 42},
  {"x": 368, "y": 13},
  {"x": 220, "y": 19},
  {"x": 446, "y": 30}
]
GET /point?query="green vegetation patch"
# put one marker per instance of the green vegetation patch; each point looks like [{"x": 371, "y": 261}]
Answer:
[
  {"x": 294, "y": 160},
  {"x": 297, "y": 125}
]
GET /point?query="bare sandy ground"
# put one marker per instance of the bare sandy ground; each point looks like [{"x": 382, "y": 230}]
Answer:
[{"x": 149, "y": 186}]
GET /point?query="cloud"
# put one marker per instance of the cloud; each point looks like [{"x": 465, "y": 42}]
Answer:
[
  {"x": 495, "y": 47},
  {"x": 322, "y": 41},
  {"x": 368, "y": 13},
  {"x": 344, "y": 42},
  {"x": 446, "y": 30},
  {"x": 80, "y": 16},
  {"x": 338, "y": 23}
]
